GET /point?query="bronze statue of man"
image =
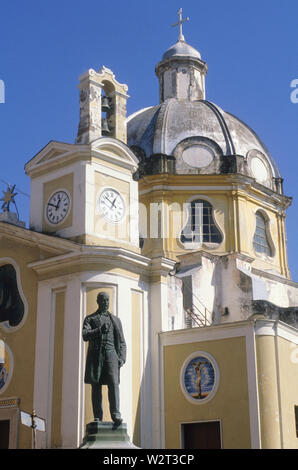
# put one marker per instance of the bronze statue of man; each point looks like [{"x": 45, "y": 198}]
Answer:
[{"x": 106, "y": 354}]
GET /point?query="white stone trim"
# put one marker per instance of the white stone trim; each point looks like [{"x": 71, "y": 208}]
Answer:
[
  {"x": 162, "y": 187},
  {"x": 209, "y": 333},
  {"x": 269, "y": 327},
  {"x": 253, "y": 394},
  {"x": 43, "y": 360},
  {"x": 162, "y": 398}
]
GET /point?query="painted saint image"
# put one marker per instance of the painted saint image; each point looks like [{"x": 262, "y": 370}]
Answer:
[
  {"x": 3, "y": 375},
  {"x": 199, "y": 378},
  {"x": 198, "y": 368},
  {"x": 5, "y": 365}
]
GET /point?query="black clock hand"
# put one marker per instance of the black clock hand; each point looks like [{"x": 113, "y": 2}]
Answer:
[
  {"x": 109, "y": 200},
  {"x": 113, "y": 203}
]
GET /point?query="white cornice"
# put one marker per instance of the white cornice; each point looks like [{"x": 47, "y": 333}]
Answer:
[
  {"x": 113, "y": 256},
  {"x": 208, "y": 333},
  {"x": 118, "y": 257},
  {"x": 105, "y": 148},
  {"x": 31, "y": 237},
  {"x": 262, "y": 327},
  {"x": 268, "y": 327}
]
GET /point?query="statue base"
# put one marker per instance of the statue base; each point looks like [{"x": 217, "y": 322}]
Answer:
[
  {"x": 11, "y": 218},
  {"x": 106, "y": 435}
]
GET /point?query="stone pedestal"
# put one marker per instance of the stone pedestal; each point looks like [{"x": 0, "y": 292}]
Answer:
[
  {"x": 11, "y": 218},
  {"x": 105, "y": 435}
]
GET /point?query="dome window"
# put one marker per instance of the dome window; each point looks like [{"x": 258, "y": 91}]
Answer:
[
  {"x": 200, "y": 227},
  {"x": 261, "y": 240}
]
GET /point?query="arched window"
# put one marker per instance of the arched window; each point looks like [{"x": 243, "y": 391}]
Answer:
[
  {"x": 260, "y": 240},
  {"x": 200, "y": 226},
  {"x": 11, "y": 304}
]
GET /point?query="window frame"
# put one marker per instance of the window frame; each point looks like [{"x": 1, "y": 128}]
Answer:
[
  {"x": 207, "y": 219},
  {"x": 268, "y": 248}
]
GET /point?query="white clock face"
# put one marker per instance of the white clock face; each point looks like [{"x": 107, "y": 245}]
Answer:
[
  {"x": 58, "y": 207},
  {"x": 111, "y": 205}
]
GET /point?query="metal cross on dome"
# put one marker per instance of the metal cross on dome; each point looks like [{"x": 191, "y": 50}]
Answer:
[{"x": 180, "y": 22}]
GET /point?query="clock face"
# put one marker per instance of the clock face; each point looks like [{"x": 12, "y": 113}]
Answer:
[
  {"x": 111, "y": 205},
  {"x": 57, "y": 207}
]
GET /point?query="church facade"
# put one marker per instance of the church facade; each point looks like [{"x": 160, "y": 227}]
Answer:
[{"x": 178, "y": 213}]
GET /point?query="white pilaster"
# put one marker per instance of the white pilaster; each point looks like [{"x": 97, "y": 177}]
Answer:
[
  {"x": 72, "y": 366},
  {"x": 124, "y": 313},
  {"x": 42, "y": 402},
  {"x": 159, "y": 321}
]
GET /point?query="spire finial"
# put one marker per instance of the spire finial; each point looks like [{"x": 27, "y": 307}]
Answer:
[{"x": 180, "y": 22}]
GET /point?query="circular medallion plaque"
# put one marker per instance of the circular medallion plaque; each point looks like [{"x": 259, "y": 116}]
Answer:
[{"x": 199, "y": 377}]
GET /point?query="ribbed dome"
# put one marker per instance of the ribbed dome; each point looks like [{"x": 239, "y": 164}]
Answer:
[
  {"x": 186, "y": 134},
  {"x": 181, "y": 48},
  {"x": 160, "y": 129}
]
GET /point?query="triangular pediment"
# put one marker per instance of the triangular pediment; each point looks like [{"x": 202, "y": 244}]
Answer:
[
  {"x": 105, "y": 148},
  {"x": 51, "y": 153}
]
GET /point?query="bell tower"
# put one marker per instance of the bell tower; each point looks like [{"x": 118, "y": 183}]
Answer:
[
  {"x": 102, "y": 107},
  {"x": 88, "y": 191}
]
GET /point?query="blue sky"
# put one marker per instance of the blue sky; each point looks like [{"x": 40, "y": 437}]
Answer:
[{"x": 251, "y": 49}]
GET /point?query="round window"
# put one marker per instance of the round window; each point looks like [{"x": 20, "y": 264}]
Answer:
[{"x": 197, "y": 156}]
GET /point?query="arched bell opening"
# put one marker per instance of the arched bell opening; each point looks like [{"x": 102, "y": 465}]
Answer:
[{"x": 108, "y": 109}]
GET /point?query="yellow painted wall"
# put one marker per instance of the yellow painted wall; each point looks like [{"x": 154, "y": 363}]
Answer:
[
  {"x": 230, "y": 404},
  {"x": 278, "y": 385},
  {"x": 22, "y": 341},
  {"x": 234, "y": 214},
  {"x": 288, "y": 372},
  {"x": 268, "y": 392}
]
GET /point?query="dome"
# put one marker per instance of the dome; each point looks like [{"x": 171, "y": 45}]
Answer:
[
  {"x": 163, "y": 128},
  {"x": 181, "y": 48},
  {"x": 186, "y": 134}
]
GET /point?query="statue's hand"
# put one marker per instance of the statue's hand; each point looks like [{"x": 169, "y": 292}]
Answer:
[
  {"x": 120, "y": 362},
  {"x": 96, "y": 321}
]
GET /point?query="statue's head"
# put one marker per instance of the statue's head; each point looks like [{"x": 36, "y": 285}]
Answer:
[{"x": 103, "y": 300}]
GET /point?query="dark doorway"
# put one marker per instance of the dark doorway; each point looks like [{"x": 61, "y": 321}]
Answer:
[
  {"x": 201, "y": 435},
  {"x": 4, "y": 434}
]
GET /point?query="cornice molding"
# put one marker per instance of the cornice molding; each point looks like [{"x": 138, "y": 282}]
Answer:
[
  {"x": 27, "y": 236},
  {"x": 96, "y": 256},
  {"x": 60, "y": 153}
]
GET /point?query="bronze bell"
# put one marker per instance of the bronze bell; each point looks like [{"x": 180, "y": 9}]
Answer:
[
  {"x": 105, "y": 130},
  {"x": 105, "y": 104}
]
